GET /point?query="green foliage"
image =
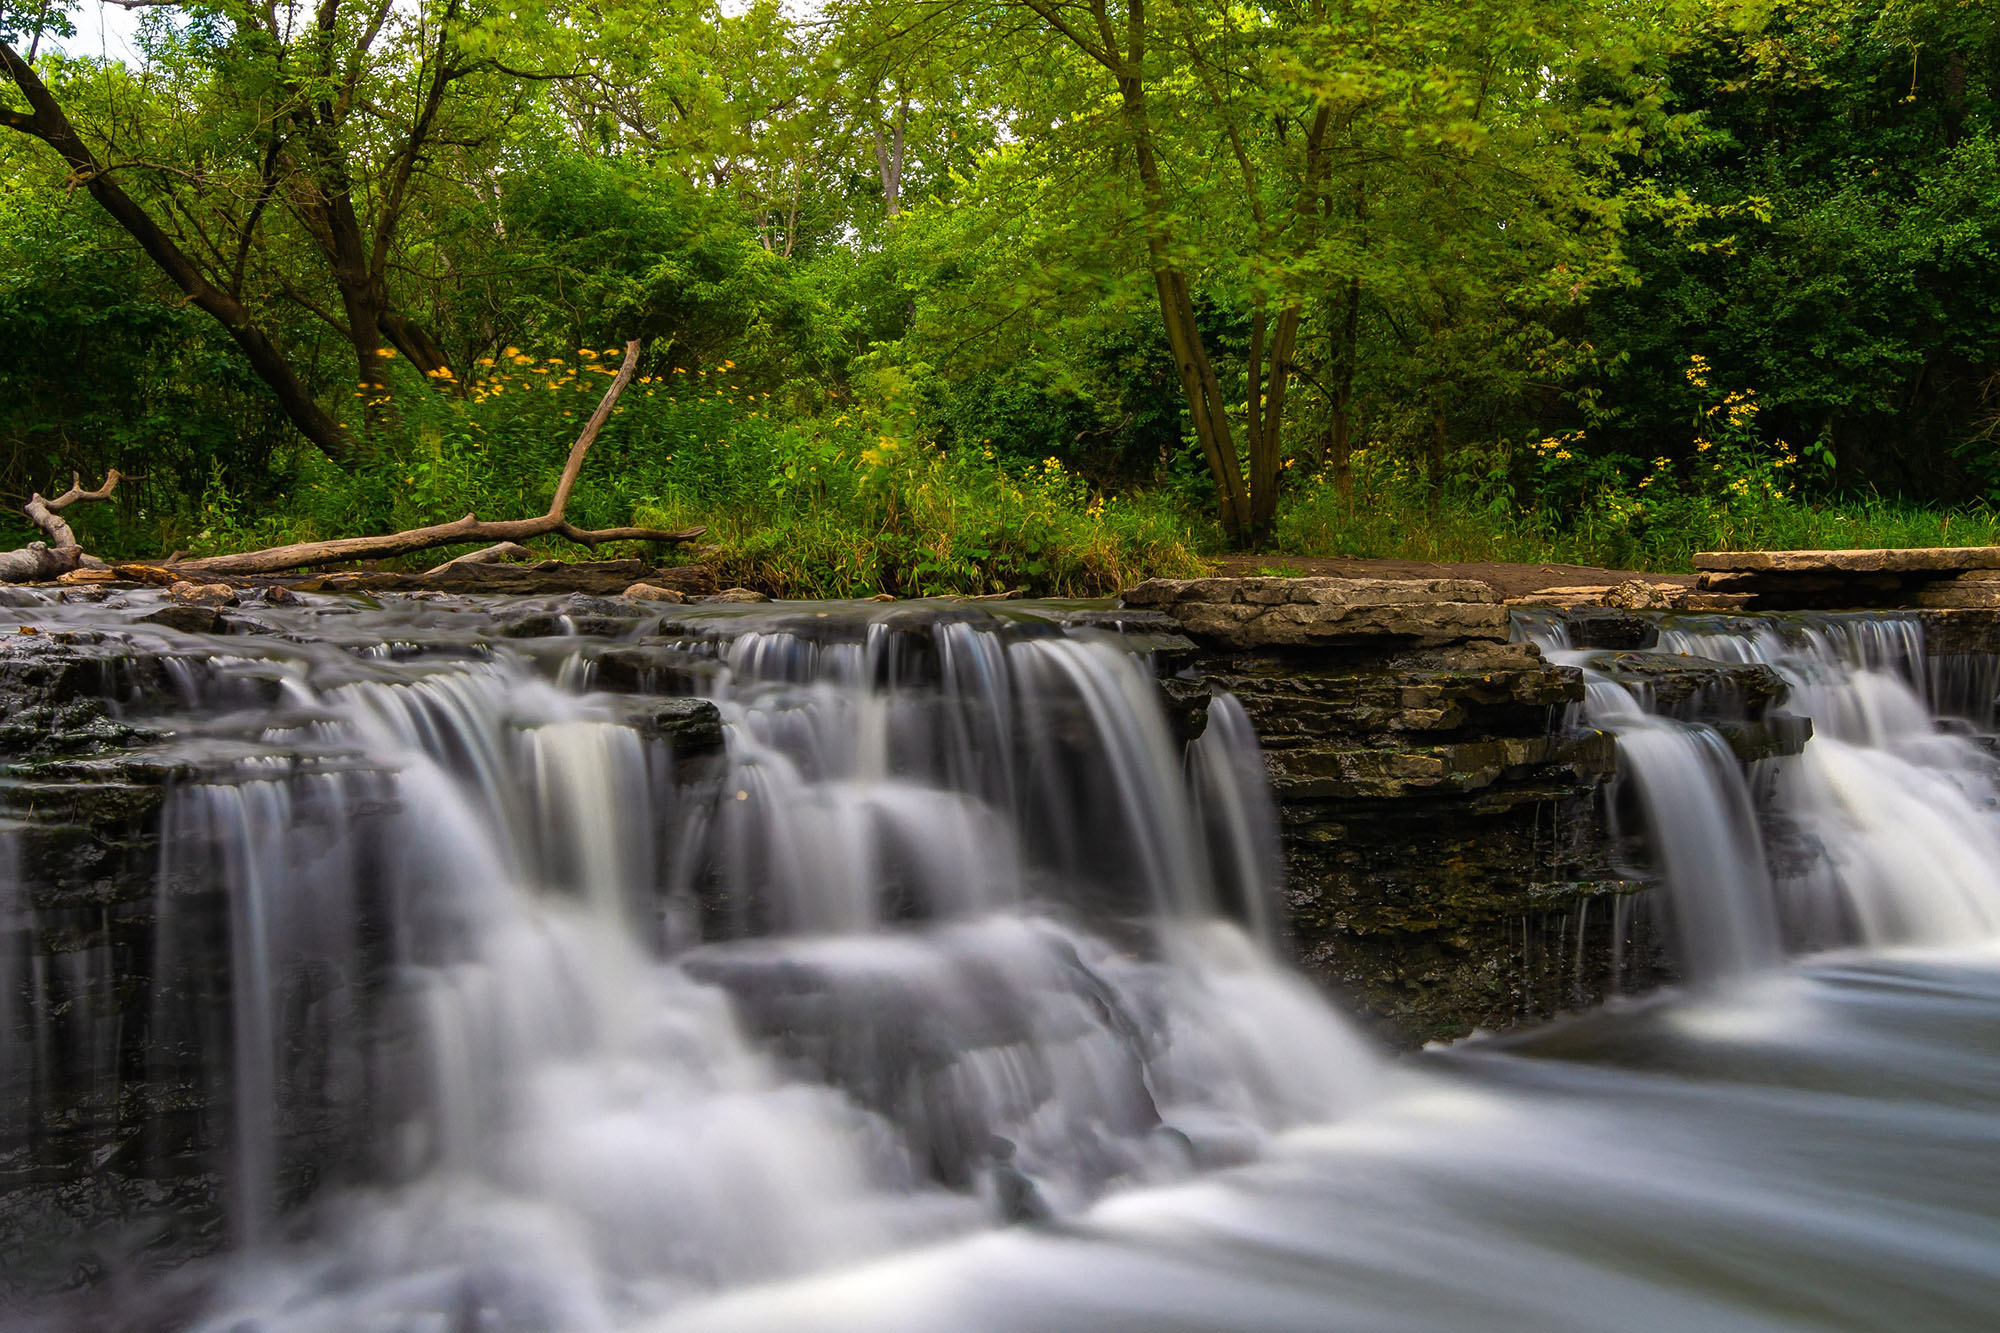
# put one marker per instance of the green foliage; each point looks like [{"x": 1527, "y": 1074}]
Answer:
[
  {"x": 837, "y": 506},
  {"x": 916, "y": 250},
  {"x": 1732, "y": 488}
]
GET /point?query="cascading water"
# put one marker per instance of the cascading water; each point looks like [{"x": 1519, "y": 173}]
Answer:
[
  {"x": 1889, "y": 813},
  {"x": 493, "y": 1007},
  {"x": 557, "y": 1036}
]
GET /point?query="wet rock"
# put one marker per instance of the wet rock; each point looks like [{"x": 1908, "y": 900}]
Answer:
[
  {"x": 1391, "y": 772},
  {"x": 188, "y": 619},
  {"x": 737, "y": 595},
  {"x": 1186, "y": 703},
  {"x": 1685, "y": 686},
  {"x": 1610, "y": 627},
  {"x": 651, "y": 592},
  {"x": 1770, "y": 737},
  {"x": 1474, "y": 689},
  {"x": 1281, "y": 612},
  {"x": 202, "y": 594},
  {"x": 573, "y": 616},
  {"x": 650, "y": 668},
  {"x": 690, "y": 726},
  {"x": 64, "y": 693},
  {"x": 1960, "y": 632}
]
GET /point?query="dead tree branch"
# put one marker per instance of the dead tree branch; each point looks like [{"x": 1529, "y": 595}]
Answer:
[
  {"x": 61, "y": 552},
  {"x": 304, "y": 555}
]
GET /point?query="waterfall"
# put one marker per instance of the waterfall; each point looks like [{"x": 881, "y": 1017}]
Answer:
[
  {"x": 516, "y": 1010},
  {"x": 1887, "y": 814}
]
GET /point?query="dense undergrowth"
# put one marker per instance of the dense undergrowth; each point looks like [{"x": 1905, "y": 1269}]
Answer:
[
  {"x": 1731, "y": 487},
  {"x": 852, "y": 501},
  {"x": 829, "y": 505}
]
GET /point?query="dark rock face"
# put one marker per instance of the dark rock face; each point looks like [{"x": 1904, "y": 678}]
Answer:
[{"x": 1446, "y": 863}]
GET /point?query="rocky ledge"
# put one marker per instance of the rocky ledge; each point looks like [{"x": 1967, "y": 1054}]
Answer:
[
  {"x": 1906, "y": 577},
  {"x": 1446, "y": 858}
]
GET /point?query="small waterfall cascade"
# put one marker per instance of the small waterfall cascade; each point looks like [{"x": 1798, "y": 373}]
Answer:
[
  {"x": 1884, "y": 827},
  {"x": 518, "y": 1015}
]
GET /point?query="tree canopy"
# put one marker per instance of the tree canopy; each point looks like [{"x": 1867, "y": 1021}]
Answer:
[{"x": 1233, "y": 254}]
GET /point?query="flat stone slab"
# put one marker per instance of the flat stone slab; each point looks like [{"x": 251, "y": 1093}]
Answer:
[
  {"x": 1892, "y": 560},
  {"x": 1280, "y": 612}
]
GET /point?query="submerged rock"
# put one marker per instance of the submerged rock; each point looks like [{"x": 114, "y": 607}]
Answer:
[{"x": 1682, "y": 685}]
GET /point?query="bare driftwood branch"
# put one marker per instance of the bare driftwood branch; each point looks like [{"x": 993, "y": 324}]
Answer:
[
  {"x": 486, "y": 555},
  {"x": 304, "y": 555},
  {"x": 61, "y": 552}
]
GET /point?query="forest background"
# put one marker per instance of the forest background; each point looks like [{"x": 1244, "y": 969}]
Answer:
[{"x": 944, "y": 295}]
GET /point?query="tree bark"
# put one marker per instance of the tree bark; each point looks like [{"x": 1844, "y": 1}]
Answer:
[
  {"x": 485, "y": 555},
  {"x": 889, "y": 155},
  {"x": 304, "y": 555},
  {"x": 1340, "y": 425}
]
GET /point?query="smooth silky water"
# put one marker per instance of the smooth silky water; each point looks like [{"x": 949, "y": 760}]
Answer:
[{"x": 951, "y": 997}]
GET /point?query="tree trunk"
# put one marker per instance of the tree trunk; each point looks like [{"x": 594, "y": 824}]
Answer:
[
  {"x": 1199, "y": 385},
  {"x": 48, "y": 123},
  {"x": 1339, "y": 451},
  {"x": 1434, "y": 458},
  {"x": 889, "y": 156},
  {"x": 1266, "y": 424}
]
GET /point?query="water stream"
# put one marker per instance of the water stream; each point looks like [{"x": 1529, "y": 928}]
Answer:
[{"x": 949, "y": 993}]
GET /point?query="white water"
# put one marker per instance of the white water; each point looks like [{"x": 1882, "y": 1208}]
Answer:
[
  {"x": 957, "y": 935},
  {"x": 586, "y": 1054},
  {"x": 1888, "y": 817}
]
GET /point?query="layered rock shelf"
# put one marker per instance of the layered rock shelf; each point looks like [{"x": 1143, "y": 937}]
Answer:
[
  {"x": 1929, "y": 577},
  {"x": 1446, "y": 860}
]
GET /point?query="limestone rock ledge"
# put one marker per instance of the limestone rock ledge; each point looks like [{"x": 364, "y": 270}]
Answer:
[
  {"x": 1273, "y": 612},
  {"x": 1446, "y": 860}
]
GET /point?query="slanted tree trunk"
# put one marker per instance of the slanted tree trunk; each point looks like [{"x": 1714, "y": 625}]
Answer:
[
  {"x": 46, "y": 121},
  {"x": 61, "y": 552},
  {"x": 889, "y": 154}
]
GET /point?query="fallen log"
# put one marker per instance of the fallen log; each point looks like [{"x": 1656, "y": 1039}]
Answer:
[
  {"x": 305, "y": 555},
  {"x": 61, "y": 553}
]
